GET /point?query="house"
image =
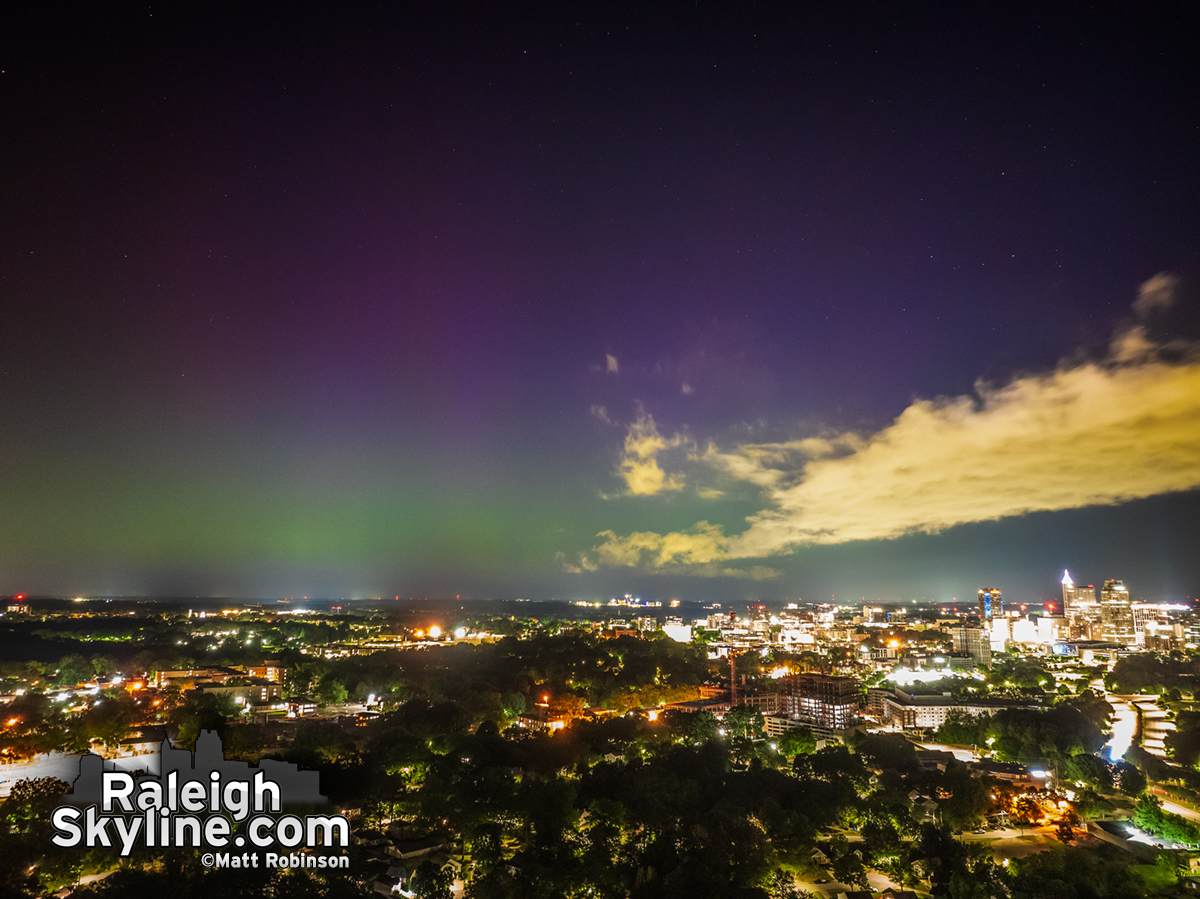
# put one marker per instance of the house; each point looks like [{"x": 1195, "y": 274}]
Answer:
[
  {"x": 407, "y": 849},
  {"x": 301, "y": 706}
]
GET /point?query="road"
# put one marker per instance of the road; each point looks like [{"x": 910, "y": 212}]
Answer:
[
  {"x": 962, "y": 753},
  {"x": 878, "y": 883},
  {"x": 1016, "y": 843},
  {"x": 1170, "y": 805},
  {"x": 64, "y": 767}
]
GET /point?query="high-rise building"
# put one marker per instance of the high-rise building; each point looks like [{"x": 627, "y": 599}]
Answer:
[
  {"x": 1116, "y": 613},
  {"x": 1080, "y": 609},
  {"x": 991, "y": 603},
  {"x": 976, "y": 641},
  {"x": 820, "y": 699},
  {"x": 1069, "y": 596}
]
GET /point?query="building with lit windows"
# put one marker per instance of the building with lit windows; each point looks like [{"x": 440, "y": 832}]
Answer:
[
  {"x": 820, "y": 699},
  {"x": 991, "y": 603},
  {"x": 976, "y": 642},
  {"x": 1116, "y": 613}
]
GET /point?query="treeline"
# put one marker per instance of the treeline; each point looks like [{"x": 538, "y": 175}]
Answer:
[
  {"x": 490, "y": 682},
  {"x": 618, "y": 674},
  {"x": 1072, "y": 726},
  {"x": 1148, "y": 815},
  {"x": 1149, "y": 673},
  {"x": 623, "y": 807}
]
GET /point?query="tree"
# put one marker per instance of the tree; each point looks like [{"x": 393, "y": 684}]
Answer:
[
  {"x": 1026, "y": 810},
  {"x": 73, "y": 669},
  {"x": 513, "y": 704},
  {"x": 704, "y": 727},
  {"x": 967, "y": 800},
  {"x": 846, "y": 863},
  {"x": 1090, "y": 770},
  {"x": 1129, "y": 780},
  {"x": 745, "y": 721},
  {"x": 25, "y": 833},
  {"x": 110, "y": 717},
  {"x": 1074, "y": 871},
  {"x": 203, "y": 711},
  {"x": 781, "y": 885},
  {"x": 431, "y": 882},
  {"x": 1064, "y": 828},
  {"x": 320, "y": 739},
  {"x": 797, "y": 741},
  {"x": 961, "y": 728},
  {"x": 331, "y": 691}
]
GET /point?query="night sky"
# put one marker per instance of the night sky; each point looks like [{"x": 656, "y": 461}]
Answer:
[{"x": 711, "y": 301}]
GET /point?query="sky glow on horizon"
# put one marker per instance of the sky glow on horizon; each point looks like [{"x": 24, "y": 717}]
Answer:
[{"x": 728, "y": 306}]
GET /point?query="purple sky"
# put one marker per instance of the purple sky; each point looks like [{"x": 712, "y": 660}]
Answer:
[{"x": 352, "y": 301}]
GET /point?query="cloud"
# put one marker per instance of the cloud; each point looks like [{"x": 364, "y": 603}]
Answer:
[
  {"x": 697, "y": 552},
  {"x": 1131, "y": 342},
  {"x": 686, "y": 389},
  {"x": 584, "y": 564},
  {"x": 1157, "y": 293},
  {"x": 1086, "y": 434},
  {"x": 601, "y": 413},
  {"x": 610, "y": 364},
  {"x": 774, "y": 464},
  {"x": 639, "y": 466}
]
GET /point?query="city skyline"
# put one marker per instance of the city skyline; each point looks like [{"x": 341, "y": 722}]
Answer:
[{"x": 730, "y": 306}]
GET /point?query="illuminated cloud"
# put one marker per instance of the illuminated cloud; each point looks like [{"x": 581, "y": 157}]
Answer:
[
  {"x": 774, "y": 464},
  {"x": 698, "y": 552},
  {"x": 1157, "y": 293},
  {"x": 639, "y": 466},
  {"x": 610, "y": 364},
  {"x": 1086, "y": 434}
]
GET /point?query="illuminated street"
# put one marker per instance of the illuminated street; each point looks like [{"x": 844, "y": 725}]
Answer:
[{"x": 1124, "y": 726}]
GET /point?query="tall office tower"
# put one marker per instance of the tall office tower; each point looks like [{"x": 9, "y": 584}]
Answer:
[
  {"x": 1069, "y": 595},
  {"x": 1116, "y": 613},
  {"x": 991, "y": 603}
]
